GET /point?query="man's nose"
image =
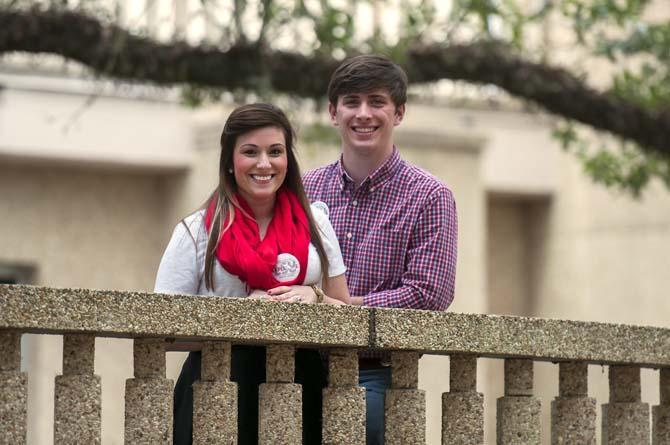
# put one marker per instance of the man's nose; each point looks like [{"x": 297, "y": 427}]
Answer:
[{"x": 363, "y": 111}]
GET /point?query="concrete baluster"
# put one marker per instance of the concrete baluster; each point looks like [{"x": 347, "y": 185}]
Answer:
[
  {"x": 405, "y": 405},
  {"x": 77, "y": 403},
  {"x": 462, "y": 406},
  {"x": 573, "y": 413},
  {"x": 625, "y": 417},
  {"x": 280, "y": 400},
  {"x": 13, "y": 390},
  {"x": 661, "y": 434},
  {"x": 148, "y": 395},
  {"x": 518, "y": 412},
  {"x": 215, "y": 398},
  {"x": 343, "y": 400}
]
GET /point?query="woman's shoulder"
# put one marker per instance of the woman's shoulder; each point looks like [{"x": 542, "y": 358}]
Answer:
[
  {"x": 320, "y": 211},
  {"x": 192, "y": 226}
]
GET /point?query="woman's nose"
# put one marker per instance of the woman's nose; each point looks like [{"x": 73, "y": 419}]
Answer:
[{"x": 263, "y": 161}]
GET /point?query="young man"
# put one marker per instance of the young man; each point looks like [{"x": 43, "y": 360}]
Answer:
[{"x": 396, "y": 223}]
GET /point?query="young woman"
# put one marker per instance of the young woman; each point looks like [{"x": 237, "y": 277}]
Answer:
[{"x": 256, "y": 236}]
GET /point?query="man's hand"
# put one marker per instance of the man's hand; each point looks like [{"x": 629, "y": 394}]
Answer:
[
  {"x": 357, "y": 301},
  {"x": 293, "y": 294}
]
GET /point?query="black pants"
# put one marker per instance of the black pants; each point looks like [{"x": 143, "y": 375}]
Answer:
[{"x": 248, "y": 370}]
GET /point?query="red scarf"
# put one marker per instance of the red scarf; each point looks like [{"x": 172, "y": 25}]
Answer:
[{"x": 241, "y": 251}]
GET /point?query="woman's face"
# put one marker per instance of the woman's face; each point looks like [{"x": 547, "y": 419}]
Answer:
[{"x": 259, "y": 163}]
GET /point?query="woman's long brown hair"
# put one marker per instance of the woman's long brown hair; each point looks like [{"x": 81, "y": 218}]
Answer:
[{"x": 242, "y": 120}]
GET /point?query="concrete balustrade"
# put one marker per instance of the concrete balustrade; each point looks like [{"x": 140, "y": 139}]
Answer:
[
  {"x": 343, "y": 400},
  {"x": 573, "y": 413},
  {"x": 81, "y": 315},
  {"x": 13, "y": 390},
  {"x": 518, "y": 412},
  {"x": 625, "y": 417},
  {"x": 148, "y": 395},
  {"x": 661, "y": 412},
  {"x": 462, "y": 406},
  {"x": 215, "y": 398},
  {"x": 280, "y": 400},
  {"x": 405, "y": 405},
  {"x": 77, "y": 407}
]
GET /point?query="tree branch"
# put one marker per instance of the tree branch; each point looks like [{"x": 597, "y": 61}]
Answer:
[{"x": 111, "y": 51}]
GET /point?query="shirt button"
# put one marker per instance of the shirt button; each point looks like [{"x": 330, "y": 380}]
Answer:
[
  {"x": 349, "y": 235},
  {"x": 354, "y": 203}
]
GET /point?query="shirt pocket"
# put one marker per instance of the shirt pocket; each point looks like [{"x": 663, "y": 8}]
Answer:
[{"x": 385, "y": 250}]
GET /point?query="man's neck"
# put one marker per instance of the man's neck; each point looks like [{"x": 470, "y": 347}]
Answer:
[{"x": 359, "y": 166}]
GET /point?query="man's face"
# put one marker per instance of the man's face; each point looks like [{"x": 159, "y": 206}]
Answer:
[{"x": 366, "y": 120}]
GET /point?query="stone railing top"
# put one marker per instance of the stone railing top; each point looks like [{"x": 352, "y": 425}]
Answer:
[
  {"x": 507, "y": 336},
  {"x": 132, "y": 314}
]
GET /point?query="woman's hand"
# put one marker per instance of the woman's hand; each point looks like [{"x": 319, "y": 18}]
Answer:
[
  {"x": 259, "y": 294},
  {"x": 293, "y": 294}
]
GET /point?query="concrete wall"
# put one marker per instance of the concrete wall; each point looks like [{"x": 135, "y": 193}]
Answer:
[{"x": 80, "y": 228}]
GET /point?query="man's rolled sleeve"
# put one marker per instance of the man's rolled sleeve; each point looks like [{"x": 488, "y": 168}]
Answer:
[{"x": 430, "y": 271}]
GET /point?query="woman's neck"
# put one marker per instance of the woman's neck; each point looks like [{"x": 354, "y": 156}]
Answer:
[{"x": 263, "y": 211}]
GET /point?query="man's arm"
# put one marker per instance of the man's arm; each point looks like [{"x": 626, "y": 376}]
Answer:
[{"x": 430, "y": 272}]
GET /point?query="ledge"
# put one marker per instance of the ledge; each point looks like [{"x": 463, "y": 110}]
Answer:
[
  {"x": 521, "y": 337},
  {"x": 240, "y": 320},
  {"x": 133, "y": 314}
]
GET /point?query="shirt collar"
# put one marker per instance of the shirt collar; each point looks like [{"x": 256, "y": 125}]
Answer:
[{"x": 383, "y": 173}]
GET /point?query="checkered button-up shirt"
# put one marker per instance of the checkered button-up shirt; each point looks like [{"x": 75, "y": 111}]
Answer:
[{"x": 397, "y": 232}]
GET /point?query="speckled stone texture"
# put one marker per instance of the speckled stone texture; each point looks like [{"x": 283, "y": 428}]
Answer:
[
  {"x": 661, "y": 429},
  {"x": 215, "y": 361},
  {"x": 280, "y": 414},
  {"x": 13, "y": 390},
  {"x": 462, "y": 418},
  {"x": 518, "y": 414},
  {"x": 507, "y": 336},
  {"x": 404, "y": 370},
  {"x": 10, "y": 351},
  {"x": 13, "y": 407},
  {"x": 215, "y": 398},
  {"x": 625, "y": 423},
  {"x": 625, "y": 419},
  {"x": 78, "y": 354},
  {"x": 462, "y": 406},
  {"x": 661, "y": 413},
  {"x": 149, "y": 358},
  {"x": 149, "y": 396},
  {"x": 343, "y": 400},
  {"x": 214, "y": 412},
  {"x": 405, "y": 417},
  {"x": 280, "y": 363},
  {"x": 148, "y": 412},
  {"x": 573, "y": 379},
  {"x": 462, "y": 373},
  {"x": 344, "y": 415},
  {"x": 573, "y": 420},
  {"x": 573, "y": 413},
  {"x": 342, "y": 367},
  {"x": 77, "y": 409},
  {"x": 518, "y": 421},
  {"x": 136, "y": 314},
  {"x": 518, "y": 377},
  {"x": 624, "y": 384}
]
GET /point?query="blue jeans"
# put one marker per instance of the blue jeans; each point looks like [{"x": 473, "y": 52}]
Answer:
[{"x": 376, "y": 382}]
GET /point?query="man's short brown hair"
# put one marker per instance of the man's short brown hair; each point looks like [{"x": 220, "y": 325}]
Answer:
[{"x": 367, "y": 73}]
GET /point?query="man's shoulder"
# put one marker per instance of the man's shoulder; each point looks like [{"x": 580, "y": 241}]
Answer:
[
  {"x": 318, "y": 175},
  {"x": 420, "y": 182}
]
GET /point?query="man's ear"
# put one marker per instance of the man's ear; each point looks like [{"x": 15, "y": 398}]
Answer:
[
  {"x": 399, "y": 114},
  {"x": 332, "y": 110}
]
